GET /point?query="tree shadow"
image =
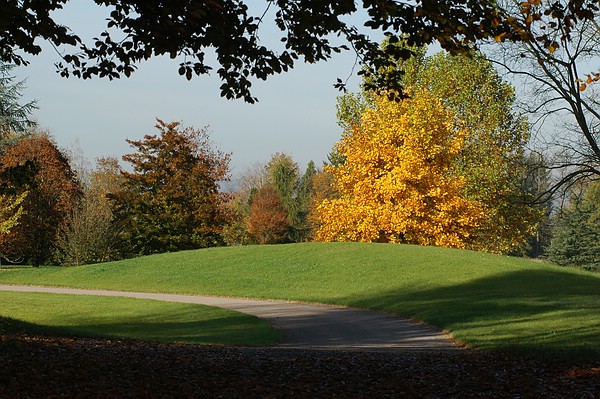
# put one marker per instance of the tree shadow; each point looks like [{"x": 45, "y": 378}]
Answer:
[
  {"x": 230, "y": 330},
  {"x": 541, "y": 310}
]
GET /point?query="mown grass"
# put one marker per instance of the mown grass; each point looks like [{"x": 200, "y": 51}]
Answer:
[
  {"x": 484, "y": 300},
  {"x": 147, "y": 320}
]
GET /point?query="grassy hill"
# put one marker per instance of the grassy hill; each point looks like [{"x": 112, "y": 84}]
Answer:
[{"x": 484, "y": 300}]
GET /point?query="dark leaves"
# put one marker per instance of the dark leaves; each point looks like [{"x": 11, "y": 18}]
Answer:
[
  {"x": 186, "y": 28},
  {"x": 65, "y": 367}
]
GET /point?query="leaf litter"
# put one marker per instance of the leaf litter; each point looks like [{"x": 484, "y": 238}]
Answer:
[{"x": 52, "y": 367}]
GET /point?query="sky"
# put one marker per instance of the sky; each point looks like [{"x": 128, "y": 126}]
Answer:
[{"x": 296, "y": 112}]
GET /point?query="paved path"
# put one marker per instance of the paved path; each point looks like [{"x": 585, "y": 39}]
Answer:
[{"x": 306, "y": 326}]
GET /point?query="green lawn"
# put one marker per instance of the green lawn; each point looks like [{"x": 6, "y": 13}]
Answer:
[
  {"x": 487, "y": 301},
  {"x": 148, "y": 320}
]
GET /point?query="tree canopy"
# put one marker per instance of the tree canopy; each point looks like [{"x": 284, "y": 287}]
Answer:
[
  {"x": 36, "y": 166},
  {"x": 491, "y": 162},
  {"x": 172, "y": 199},
  {"x": 398, "y": 182},
  {"x": 15, "y": 116},
  {"x": 192, "y": 31}
]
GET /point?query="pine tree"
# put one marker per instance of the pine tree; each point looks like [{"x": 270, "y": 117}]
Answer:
[
  {"x": 576, "y": 239},
  {"x": 14, "y": 116}
]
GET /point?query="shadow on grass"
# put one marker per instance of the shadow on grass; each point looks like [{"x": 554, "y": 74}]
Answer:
[
  {"x": 231, "y": 330},
  {"x": 542, "y": 310}
]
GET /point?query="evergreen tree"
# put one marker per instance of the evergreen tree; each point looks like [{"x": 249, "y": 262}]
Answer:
[
  {"x": 304, "y": 196},
  {"x": 576, "y": 238},
  {"x": 283, "y": 175},
  {"x": 14, "y": 116}
]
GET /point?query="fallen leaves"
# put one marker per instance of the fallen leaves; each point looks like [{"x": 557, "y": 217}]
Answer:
[{"x": 42, "y": 367}]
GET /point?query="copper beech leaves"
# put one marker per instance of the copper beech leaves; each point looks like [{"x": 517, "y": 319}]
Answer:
[
  {"x": 268, "y": 219},
  {"x": 42, "y": 171},
  {"x": 398, "y": 182},
  {"x": 172, "y": 199}
]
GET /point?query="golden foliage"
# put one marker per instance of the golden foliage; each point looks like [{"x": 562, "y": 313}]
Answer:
[
  {"x": 11, "y": 209},
  {"x": 398, "y": 182}
]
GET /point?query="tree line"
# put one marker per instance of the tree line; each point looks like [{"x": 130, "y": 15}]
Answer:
[{"x": 448, "y": 165}]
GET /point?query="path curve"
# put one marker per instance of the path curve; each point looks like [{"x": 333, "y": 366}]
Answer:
[{"x": 305, "y": 326}]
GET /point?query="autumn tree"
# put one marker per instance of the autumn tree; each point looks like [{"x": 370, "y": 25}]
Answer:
[
  {"x": 90, "y": 233},
  {"x": 240, "y": 199},
  {"x": 493, "y": 160},
  {"x": 172, "y": 199},
  {"x": 399, "y": 181},
  {"x": 191, "y": 31},
  {"x": 268, "y": 219},
  {"x": 52, "y": 191},
  {"x": 15, "y": 120}
]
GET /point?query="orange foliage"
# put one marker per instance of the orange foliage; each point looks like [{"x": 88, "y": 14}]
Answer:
[
  {"x": 398, "y": 182},
  {"x": 173, "y": 200},
  {"x": 52, "y": 194},
  {"x": 268, "y": 220}
]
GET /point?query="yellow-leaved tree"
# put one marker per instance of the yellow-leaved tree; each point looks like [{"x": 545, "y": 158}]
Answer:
[
  {"x": 11, "y": 209},
  {"x": 398, "y": 181}
]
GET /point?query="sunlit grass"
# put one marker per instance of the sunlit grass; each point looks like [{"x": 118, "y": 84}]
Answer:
[
  {"x": 147, "y": 320},
  {"x": 484, "y": 300}
]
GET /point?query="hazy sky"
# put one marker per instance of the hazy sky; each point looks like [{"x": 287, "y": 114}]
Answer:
[{"x": 295, "y": 113}]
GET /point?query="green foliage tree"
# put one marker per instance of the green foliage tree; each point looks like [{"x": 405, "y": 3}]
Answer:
[
  {"x": 189, "y": 30},
  {"x": 90, "y": 233},
  {"x": 493, "y": 160},
  {"x": 35, "y": 165},
  {"x": 577, "y": 229},
  {"x": 295, "y": 192},
  {"x": 14, "y": 116},
  {"x": 283, "y": 175},
  {"x": 304, "y": 196},
  {"x": 172, "y": 199}
]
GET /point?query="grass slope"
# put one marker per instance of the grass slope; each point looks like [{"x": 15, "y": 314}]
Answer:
[{"x": 487, "y": 301}]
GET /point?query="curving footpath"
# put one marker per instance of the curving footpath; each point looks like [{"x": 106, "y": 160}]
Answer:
[{"x": 305, "y": 326}]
